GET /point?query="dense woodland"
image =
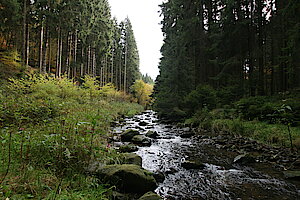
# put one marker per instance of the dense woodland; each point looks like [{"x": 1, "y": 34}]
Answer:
[
  {"x": 71, "y": 38},
  {"x": 69, "y": 72},
  {"x": 241, "y": 48}
]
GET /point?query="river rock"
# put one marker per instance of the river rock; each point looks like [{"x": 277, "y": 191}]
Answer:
[
  {"x": 152, "y": 134},
  {"x": 119, "y": 196},
  {"x": 186, "y": 135},
  {"x": 127, "y": 148},
  {"x": 142, "y": 123},
  {"x": 189, "y": 164},
  {"x": 150, "y": 196},
  {"x": 244, "y": 159},
  {"x": 141, "y": 140},
  {"x": 128, "y": 178},
  {"x": 132, "y": 158},
  {"x": 291, "y": 174},
  {"x": 159, "y": 177},
  {"x": 128, "y": 135}
]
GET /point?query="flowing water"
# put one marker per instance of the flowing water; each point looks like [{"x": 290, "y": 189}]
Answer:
[{"x": 220, "y": 179}]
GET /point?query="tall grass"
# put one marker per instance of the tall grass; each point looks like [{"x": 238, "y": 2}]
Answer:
[{"x": 50, "y": 129}]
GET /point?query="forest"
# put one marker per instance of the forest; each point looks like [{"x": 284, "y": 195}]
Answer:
[
  {"x": 78, "y": 120},
  {"x": 230, "y": 60}
]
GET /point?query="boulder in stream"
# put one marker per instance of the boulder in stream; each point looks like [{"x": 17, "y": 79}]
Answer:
[
  {"x": 128, "y": 178},
  {"x": 127, "y": 135},
  {"x": 132, "y": 158},
  {"x": 150, "y": 196},
  {"x": 244, "y": 159},
  {"x": 143, "y": 123},
  {"x": 152, "y": 134},
  {"x": 159, "y": 177},
  {"x": 292, "y": 174},
  {"x": 187, "y": 135},
  {"x": 127, "y": 148},
  {"x": 141, "y": 140},
  {"x": 189, "y": 164}
]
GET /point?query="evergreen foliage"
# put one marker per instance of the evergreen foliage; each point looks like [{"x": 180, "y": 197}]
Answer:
[
  {"x": 72, "y": 38},
  {"x": 240, "y": 48}
]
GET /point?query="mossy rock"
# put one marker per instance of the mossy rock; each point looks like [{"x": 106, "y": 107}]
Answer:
[
  {"x": 152, "y": 134},
  {"x": 128, "y": 135},
  {"x": 128, "y": 178},
  {"x": 290, "y": 174},
  {"x": 141, "y": 140},
  {"x": 128, "y": 148},
  {"x": 132, "y": 158},
  {"x": 150, "y": 196}
]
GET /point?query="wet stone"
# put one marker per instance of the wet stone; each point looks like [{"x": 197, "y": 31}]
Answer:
[
  {"x": 128, "y": 135},
  {"x": 291, "y": 174},
  {"x": 189, "y": 164},
  {"x": 132, "y": 158},
  {"x": 128, "y": 178},
  {"x": 159, "y": 177},
  {"x": 141, "y": 140},
  {"x": 244, "y": 159},
  {"x": 150, "y": 196},
  {"x": 143, "y": 123},
  {"x": 187, "y": 135},
  {"x": 152, "y": 134},
  {"x": 127, "y": 148}
]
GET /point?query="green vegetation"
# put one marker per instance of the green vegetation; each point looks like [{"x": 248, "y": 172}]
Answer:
[
  {"x": 273, "y": 120},
  {"x": 51, "y": 130},
  {"x": 226, "y": 64},
  {"x": 67, "y": 38},
  {"x": 142, "y": 92}
]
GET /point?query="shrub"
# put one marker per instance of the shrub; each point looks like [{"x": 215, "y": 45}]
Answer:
[
  {"x": 203, "y": 97},
  {"x": 259, "y": 107}
]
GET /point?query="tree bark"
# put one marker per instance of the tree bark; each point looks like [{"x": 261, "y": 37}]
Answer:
[
  {"x": 41, "y": 48},
  {"x": 24, "y": 47}
]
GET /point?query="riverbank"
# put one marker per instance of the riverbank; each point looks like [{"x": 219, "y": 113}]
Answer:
[{"x": 50, "y": 129}]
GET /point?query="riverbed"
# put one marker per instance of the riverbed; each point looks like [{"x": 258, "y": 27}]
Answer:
[{"x": 220, "y": 178}]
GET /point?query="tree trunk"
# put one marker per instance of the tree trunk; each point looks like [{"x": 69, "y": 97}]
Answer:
[
  {"x": 45, "y": 50},
  {"x": 82, "y": 65},
  {"x": 27, "y": 45},
  {"x": 112, "y": 67},
  {"x": 261, "y": 90},
  {"x": 88, "y": 59},
  {"x": 125, "y": 69},
  {"x": 24, "y": 47},
  {"x": 120, "y": 71},
  {"x": 60, "y": 55},
  {"x": 49, "y": 56},
  {"x": 250, "y": 56},
  {"x": 41, "y": 48},
  {"x": 75, "y": 54}
]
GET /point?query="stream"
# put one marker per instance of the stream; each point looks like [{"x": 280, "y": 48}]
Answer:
[{"x": 219, "y": 179}]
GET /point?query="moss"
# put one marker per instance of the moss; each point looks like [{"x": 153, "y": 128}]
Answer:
[
  {"x": 150, "y": 196},
  {"x": 128, "y": 178}
]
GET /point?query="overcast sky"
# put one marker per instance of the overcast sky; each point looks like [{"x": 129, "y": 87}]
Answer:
[{"x": 145, "y": 20}]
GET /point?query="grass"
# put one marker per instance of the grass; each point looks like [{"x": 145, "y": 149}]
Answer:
[
  {"x": 50, "y": 129},
  {"x": 274, "y": 134}
]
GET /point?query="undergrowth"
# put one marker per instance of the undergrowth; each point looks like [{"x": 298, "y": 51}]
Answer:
[
  {"x": 50, "y": 129},
  {"x": 272, "y": 120}
]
